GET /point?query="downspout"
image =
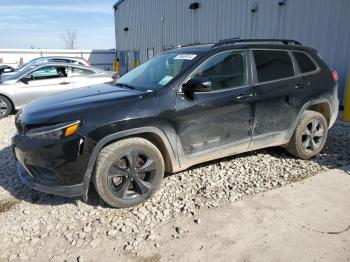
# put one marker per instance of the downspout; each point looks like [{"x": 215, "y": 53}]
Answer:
[{"x": 116, "y": 32}]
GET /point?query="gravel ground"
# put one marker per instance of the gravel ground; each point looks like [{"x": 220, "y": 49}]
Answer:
[{"x": 49, "y": 228}]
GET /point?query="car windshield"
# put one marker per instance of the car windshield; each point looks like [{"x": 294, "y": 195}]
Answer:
[
  {"x": 157, "y": 72},
  {"x": 33, "y": 61}
]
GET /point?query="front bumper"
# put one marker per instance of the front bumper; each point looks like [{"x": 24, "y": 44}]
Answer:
[
  {"x": 67, "y": 191},
  {"x": 56, "y": 167}
]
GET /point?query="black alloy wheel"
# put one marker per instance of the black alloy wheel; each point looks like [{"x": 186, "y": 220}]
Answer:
[
  {"x": 132, "y": 175},
  {"x": 128, "y": 172}
]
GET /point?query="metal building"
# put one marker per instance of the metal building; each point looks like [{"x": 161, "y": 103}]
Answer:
[{"x": 144, "y": 28}]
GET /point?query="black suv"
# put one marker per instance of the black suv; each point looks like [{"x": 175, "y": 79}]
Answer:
[{"x": 184, "y": 107}]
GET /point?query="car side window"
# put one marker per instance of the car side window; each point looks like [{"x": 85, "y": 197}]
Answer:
[
  {"x": 49, "y": 72},
  {"x": 76, "y": 71},
  {"x": 273, "y": 65},
  {"x": 223, "y": 70},
  {"x": 306, "y": 65}
]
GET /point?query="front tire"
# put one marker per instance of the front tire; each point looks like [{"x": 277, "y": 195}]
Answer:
[
  {"x": 309, "y": 136},
  {"x": 5, "y": 107},
  {"x": 128, "y": 172}
]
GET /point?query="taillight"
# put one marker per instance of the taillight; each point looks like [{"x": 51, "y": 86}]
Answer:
[{"x": 335, "y": 75}]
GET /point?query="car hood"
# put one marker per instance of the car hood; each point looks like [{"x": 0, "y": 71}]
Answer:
[
  {"x": 4, "y": 80},
  {"x": 8, "y": 74},
  {"x": 42, "y": 110}
]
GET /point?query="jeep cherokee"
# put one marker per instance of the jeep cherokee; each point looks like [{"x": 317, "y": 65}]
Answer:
[{"x": 184, "y": 107}]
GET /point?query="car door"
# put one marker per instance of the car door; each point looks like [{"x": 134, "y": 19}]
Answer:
[
  {"x": 281, "y": 93},
  {"x": 221, "y": 117},
  {"x": 42, "y": 82}
]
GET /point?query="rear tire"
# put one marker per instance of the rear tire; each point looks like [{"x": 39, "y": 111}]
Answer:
[
  {"x": 128, "y": 172},
  {"x": 309, "y": 136},
  {"x": 5, "y": 107}
]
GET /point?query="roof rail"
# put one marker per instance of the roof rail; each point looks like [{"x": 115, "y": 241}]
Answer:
[
  {"x": 190, "y": 44},
  {"x": 237, "y": 40}
]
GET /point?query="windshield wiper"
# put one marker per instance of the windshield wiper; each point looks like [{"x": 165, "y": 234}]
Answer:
[{"x": 125, "y": 86}]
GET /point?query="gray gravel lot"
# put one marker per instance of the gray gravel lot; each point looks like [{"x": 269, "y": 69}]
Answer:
[{"x": 48, "y": 228}]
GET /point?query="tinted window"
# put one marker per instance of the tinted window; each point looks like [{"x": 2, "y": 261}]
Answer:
[
  {"x": 49, "y": 72},
  {"x": 224, "y": 70},
  {"x": 305, "y": 63},
  {"x": 273, "y": 65},
  {"x": 81, "y": 72}
]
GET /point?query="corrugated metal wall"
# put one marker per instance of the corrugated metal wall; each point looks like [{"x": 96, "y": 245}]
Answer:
[{"x": 323, "y": 24}]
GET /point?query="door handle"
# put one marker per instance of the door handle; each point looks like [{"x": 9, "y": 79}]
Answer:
[
  {"x": 300, "y": 86},
  {"x": 64, "y": 83},
  {"x": 244, "y": 96}
]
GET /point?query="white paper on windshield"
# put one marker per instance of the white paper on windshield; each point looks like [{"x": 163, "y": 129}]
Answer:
[
  {"x": 185, "y": 57},
  {"x": 165, "y": 80}
]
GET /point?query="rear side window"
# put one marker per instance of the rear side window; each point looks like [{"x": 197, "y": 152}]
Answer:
[
  {"x": 76, "y": 71},
  {"x": 273, "y": 65},
  {"x": 305, "y": 63}
]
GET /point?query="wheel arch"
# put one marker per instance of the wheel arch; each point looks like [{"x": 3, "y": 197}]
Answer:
[
  {"x": 157, "y": 140},
  {"x": 314, "y": 105},
  {"x": 152, "y": 134},
  {"x": 322, "y": 106},
  {"x": 324, "y": 109}
]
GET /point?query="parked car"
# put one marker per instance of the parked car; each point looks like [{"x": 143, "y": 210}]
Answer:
[
  {"x": 6, "y": 69},
  {"x": 49, "y": 59},
  {"x": 19, "y": 89},
  {"x": 182, "y": 108}
]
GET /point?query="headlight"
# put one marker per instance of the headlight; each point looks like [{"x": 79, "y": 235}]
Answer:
[{"x": 54, "y": 131}]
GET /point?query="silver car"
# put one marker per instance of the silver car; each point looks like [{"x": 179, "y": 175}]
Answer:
[
  {"x": 19, "y": 89},
  {"x": 49, "y": 59}
]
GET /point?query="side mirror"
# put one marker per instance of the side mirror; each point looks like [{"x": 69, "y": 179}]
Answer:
[
  {"x": 196, "y": 84},
  {"x": 25, "y": 80}
]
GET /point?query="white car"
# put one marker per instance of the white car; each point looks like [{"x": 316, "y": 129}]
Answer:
[
  {"x": 17, "y": 90},
  {"x": 49, "y": 59}
]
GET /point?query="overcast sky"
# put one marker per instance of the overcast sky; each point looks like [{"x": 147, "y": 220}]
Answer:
[{"x": 40, "y": 23}]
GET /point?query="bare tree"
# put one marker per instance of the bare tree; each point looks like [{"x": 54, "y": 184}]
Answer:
[{"x": 70, "y": 38}]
